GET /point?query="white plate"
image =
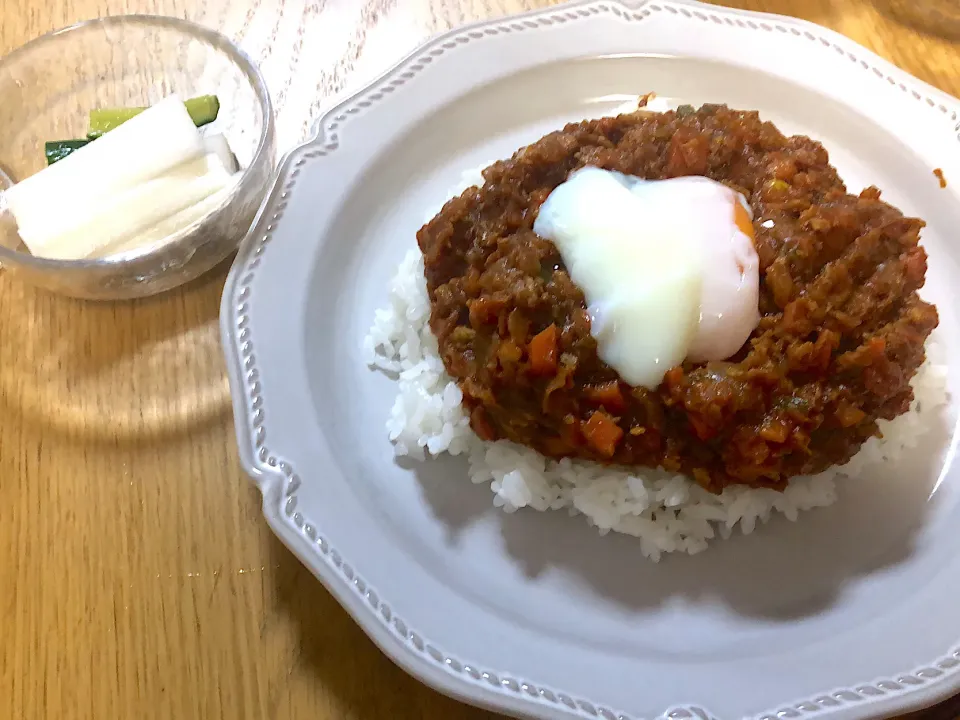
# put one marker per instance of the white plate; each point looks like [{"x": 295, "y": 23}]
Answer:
[{"x": 851, "y": 612}]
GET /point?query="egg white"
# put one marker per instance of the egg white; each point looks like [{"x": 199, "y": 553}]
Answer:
[{"x": 667, "y": 273}]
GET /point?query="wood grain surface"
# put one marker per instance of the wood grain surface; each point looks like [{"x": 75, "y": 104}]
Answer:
[{"x": 137, "y": 577}]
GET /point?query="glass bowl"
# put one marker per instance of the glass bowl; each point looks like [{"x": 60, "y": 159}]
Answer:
[{"x": 48, "y": 87}]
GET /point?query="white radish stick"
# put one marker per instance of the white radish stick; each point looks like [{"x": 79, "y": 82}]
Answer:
[
  {"x": 218, "y": 144},
  {"x": 72, "y": 190},
  {"x": 159, "y": 233},
  {"x": 131, "y": 212}
]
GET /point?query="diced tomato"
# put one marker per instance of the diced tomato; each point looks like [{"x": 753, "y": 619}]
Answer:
[
  {"x": 544, "y": 351},
  {"x": 602, "y": 433}
]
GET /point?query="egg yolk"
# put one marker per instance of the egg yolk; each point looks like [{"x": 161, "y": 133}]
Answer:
[{"x": 743, "y": 221}]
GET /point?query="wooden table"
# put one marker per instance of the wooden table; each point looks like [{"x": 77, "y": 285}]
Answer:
[{"x": 137, "y": 578}]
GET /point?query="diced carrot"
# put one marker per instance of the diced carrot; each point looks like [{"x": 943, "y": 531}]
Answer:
[
  {"x": 915, "y": 265},
  {"x": 827, "y": 342},
  {"x": 774, "y": 430},
  {"x": 872, "y": 351},
  {"x": 750, "y": 448},
  {"x": 702, "y": 477},
  {"x": 796, "y": 316},
  {"x": 673, "y": 377},
  {"x": 876, "y": 348},
  {"x": 602, "y": 433},
  {"x": 849, "y": 415},
  {"x": 608, "y": 395},
  {"x": 800, "y": 357},
  {"x": 543, "y": 351},
  {"x": 801, "y": 440},
  {"x": 484, "y": 311},
  {"x": 701, "y": 427}
]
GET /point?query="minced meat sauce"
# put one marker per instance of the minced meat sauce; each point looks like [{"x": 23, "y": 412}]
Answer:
[{"x": 841, "y": 332}]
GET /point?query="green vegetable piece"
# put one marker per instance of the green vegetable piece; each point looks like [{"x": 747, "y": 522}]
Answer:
[
  {"x": 203, "y": 111},
  {"x": 56, "y": 150},
  {"x": 104, "y": 120}
]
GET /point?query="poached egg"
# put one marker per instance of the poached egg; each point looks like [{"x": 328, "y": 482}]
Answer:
[{"x": 668, "y": 267}]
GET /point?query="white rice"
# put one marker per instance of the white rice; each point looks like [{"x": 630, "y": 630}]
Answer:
[{"x": 667, "y": 512}]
